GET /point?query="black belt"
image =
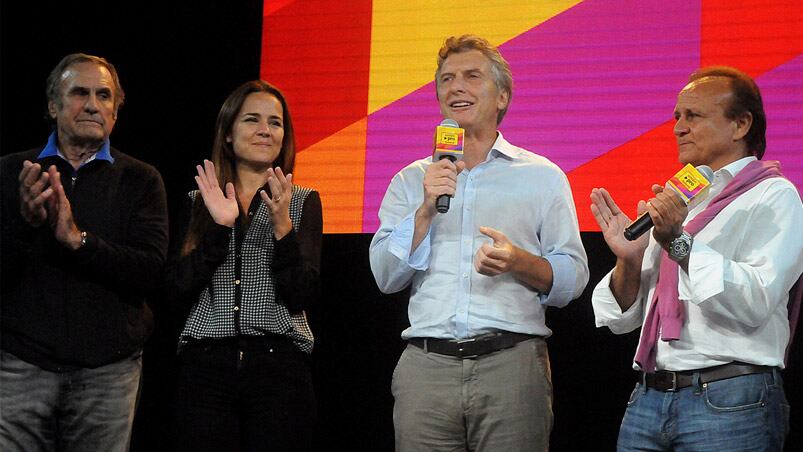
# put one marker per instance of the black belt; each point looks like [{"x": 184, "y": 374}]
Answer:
[
  {"x": 668, "y": 381},
  {"x": 471, "y": 347}
]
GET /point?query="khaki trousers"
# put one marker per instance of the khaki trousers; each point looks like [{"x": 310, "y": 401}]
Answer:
[{"x": 501, "y": 401}]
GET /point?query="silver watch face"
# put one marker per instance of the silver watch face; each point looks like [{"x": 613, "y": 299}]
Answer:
[{"x": 680, "y": 247}]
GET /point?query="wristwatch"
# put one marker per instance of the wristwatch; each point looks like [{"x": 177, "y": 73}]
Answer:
[{"x": 680, "y": 247}]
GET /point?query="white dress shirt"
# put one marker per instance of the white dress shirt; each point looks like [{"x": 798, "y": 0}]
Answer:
[
  {"x": 521, "y": 194},
  {"x": 741, "y": 268}
]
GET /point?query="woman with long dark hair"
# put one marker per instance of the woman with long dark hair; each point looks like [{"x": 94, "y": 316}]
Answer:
[{"x": 249, "y": 266}]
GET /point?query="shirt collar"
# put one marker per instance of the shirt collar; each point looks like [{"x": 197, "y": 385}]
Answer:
[
  {"x": 732, "y": 169},
  {"x": 502, "y": 147},
  {"x": 51, "y": 149}
]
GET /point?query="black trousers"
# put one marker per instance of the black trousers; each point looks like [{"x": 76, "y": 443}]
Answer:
[{"x": 244, "y": 394}]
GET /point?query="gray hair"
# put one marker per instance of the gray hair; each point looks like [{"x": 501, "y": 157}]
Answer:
[{"x": 55, "y": 77}]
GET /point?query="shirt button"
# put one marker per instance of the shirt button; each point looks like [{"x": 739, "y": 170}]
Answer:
[
  {"x": 465, "y": 275},
  {"x": 236, "y": 308},
  {"x": 236, "y": 281}
]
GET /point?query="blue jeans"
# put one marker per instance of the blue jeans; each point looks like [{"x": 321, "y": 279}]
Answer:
[
  {"x": 81, "y": 410},
  {"x": 746, "y": 413}
]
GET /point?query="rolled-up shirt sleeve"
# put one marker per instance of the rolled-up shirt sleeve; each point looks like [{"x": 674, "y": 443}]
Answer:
[
  {"x": 608, "y": 313},
  {"x": 392, "y": 262},
  {"x": 563, "y": 248},
  {"x": 401, "y": 240},
  {"x": 564, "y": 277}
]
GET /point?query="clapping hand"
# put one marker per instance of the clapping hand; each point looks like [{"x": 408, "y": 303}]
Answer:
[
  {"x": 278, "y": 203},
  {"x": 34, "y": 192},
  {"x": 612, "y": 221},
  {"x": 40, "y": 202},
  {"x": 59, "y": 212},
  {"x": 222, "y": 207}
]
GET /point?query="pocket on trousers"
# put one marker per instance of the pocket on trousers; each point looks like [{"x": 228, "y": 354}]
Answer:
[
  {"x": 395, "y": 379},
  {"x": 786, "y": 411},
  {"x": 635, "y": 395},
  {"x": 737, "y": 394}
]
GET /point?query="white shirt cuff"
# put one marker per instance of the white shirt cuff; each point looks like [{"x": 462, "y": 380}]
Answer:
[{"x": 401, "y": 240}]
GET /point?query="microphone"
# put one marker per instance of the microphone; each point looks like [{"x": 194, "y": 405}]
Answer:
[
  {"x": 689, "y": 183},
  {"x": 448, "y": 145}
]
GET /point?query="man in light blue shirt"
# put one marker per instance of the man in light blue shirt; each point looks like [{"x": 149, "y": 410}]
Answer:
[{"x": 475, "y": 374}]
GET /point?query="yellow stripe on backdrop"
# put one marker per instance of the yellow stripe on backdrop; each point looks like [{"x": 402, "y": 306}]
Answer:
[{"x": 406, "y": 36}]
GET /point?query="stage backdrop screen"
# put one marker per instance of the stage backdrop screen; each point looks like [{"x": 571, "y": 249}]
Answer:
[{"x": 595, "y": 84}]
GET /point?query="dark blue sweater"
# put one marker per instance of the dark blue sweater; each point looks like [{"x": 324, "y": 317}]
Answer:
[{"x": 64, "y": 310}]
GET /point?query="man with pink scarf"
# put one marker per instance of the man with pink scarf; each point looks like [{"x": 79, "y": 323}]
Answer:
[{"x": 712, "y": 285}]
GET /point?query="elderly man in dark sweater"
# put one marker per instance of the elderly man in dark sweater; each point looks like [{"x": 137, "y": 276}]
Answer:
[{"x": 84, "y": 237}]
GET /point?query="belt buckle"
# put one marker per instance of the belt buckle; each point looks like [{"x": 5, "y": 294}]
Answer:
[
  {"x": 674, "y": 387},
  {"x": 460, "y": 343}
]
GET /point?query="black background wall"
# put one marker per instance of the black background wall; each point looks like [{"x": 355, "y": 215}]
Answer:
[{"x": 177, "y": 63}]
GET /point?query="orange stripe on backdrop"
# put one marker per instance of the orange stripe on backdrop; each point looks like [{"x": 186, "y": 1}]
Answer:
[
  {"x": 335, "y": 167},
  {"x": 754, "y": 36},
  {"x": 627, "y": 172}
]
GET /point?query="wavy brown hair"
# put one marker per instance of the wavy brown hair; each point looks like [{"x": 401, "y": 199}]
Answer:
[{"x": 223, "y": 152}]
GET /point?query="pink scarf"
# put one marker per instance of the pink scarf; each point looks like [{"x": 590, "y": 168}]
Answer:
[{"x": 666, "y": 314}]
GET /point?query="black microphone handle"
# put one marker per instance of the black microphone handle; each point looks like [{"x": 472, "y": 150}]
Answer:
[
  {"x": 639, "y": 227},
  {"x": 442, "y": 204},
  {"x": 644, "y": 222}
]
